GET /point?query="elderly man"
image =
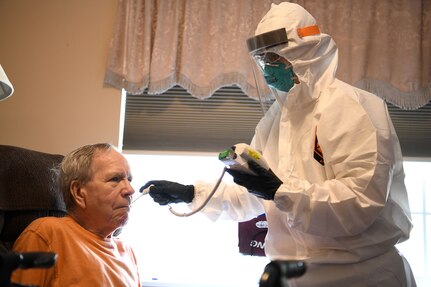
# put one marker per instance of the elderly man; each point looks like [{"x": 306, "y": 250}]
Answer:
[{"x": 95, "y": 182}]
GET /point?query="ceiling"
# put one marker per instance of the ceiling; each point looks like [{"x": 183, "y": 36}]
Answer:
[{"x": 176, "y": 121}]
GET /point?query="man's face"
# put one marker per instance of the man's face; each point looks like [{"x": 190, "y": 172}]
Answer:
[{"x": 108, "y": 193}]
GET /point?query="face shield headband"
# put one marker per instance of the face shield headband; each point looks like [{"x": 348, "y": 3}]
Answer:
[{"x": 262, "y": 42}]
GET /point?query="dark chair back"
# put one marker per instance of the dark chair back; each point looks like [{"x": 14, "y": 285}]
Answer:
[{"x": 28, "y": 190}]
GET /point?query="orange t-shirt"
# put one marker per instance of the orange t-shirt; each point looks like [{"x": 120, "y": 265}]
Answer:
[{"x": 83, "y": 258}]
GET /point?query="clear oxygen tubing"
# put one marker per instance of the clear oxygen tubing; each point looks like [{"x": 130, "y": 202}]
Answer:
[{"x": 204, "y": 203}]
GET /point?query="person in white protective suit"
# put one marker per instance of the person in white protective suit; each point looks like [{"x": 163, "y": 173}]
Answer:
[{"x": 335, "y": 194}]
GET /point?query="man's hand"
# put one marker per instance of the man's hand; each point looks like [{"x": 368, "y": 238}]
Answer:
[
  {"x": 264, "y": 184},
  {"x": 165, "y": 192}
]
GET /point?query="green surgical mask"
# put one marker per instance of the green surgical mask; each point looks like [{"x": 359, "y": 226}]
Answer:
[{"x": 277, "y": 76}]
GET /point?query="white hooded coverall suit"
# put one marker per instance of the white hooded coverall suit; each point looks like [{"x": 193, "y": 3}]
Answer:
[{"x": 342, "y": 212}]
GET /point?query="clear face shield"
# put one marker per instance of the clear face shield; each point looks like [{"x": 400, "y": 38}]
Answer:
[{"x": 272, "y": 73}]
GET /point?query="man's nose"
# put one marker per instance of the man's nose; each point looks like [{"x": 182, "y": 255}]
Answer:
[{"x": 127, "y": 188}]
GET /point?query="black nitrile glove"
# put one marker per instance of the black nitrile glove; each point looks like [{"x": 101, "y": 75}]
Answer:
[
  {"x": 264, "y": 184},
  {"x": 165, "y": 192}
]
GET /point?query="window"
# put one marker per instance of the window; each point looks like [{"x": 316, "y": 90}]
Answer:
[
  {"x": 194, "y": 251},
  {"x": 416, "y": 249},
  {"x": 191, "y": 251}
]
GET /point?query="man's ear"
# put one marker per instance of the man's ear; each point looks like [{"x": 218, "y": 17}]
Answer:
[{"x": 78, "y": 194}]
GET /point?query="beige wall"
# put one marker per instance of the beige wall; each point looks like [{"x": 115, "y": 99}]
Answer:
[{"x": 54, "y": 53}]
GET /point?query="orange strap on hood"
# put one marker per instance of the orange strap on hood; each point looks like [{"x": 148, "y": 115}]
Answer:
[{"x": 308, "y": 31}]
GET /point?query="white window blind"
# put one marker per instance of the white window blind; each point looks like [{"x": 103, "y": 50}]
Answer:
[{"x": 176, "y": 121}]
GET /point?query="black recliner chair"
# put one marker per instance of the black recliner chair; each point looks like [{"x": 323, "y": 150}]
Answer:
[{"x": 28, "y": 190}]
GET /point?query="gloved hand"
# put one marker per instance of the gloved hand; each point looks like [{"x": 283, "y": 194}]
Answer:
[
  {"x": 164, "y": 192},
  {"x": 263, "y": 185}
]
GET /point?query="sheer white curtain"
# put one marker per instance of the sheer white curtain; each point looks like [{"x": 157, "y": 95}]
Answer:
[
  {"x": 198, "y": 44},
  {"x": 384, "y": 46}
]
